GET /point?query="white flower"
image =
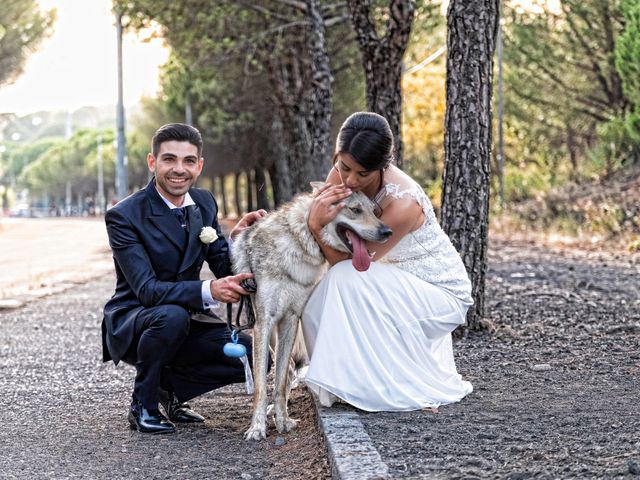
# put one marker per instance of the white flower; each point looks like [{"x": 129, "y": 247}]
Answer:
[{"x": 208, "y": 235}]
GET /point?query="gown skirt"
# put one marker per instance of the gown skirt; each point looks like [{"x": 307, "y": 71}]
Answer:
[{"x": 380, "y": 340}]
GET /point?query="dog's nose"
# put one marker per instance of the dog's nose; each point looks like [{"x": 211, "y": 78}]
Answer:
[{"x": 385, "y": 232}]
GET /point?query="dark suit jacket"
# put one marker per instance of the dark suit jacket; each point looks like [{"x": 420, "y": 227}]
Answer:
[{"x": 154, "y": 265}]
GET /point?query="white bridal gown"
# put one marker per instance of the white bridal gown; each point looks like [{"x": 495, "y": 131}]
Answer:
[{"x": 380, "y": 340}]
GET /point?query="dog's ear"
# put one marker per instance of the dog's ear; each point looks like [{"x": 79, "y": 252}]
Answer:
[{"x": 316, "y": 185}]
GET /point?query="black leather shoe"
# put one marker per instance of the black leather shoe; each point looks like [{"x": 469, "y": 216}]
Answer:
[
  {"x": 149, "y": 420},
  {"x": 179, "y": 412}
]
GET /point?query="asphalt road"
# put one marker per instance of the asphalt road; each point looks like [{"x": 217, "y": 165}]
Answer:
[{"x": 41, "y": 255}]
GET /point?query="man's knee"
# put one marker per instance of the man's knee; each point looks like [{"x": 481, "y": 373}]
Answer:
[{"x": 173, "y": 320}]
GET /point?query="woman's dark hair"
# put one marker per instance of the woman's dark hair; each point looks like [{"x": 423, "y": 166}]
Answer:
[
  {"x": 176, "y": 131},
  {"x": 367, "y": 137}
]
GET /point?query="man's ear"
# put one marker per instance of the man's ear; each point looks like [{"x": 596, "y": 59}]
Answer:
[
  {"x": 151, "y": 162},
  {"x": 316, "y": 185}
]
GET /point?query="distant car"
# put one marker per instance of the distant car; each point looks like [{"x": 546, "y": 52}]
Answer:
[{"x": 20, "y": 210}]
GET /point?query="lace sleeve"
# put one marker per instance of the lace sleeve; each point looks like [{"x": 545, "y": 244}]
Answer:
[{"x": 395, "y": 191}]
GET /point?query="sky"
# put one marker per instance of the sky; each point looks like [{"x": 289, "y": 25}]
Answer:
[{"x": 76, "y": 66}]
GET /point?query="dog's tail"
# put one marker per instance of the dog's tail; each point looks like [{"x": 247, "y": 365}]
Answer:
[{"x": 299, "y": 355}]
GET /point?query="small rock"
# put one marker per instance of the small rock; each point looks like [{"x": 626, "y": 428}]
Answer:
[
  {"x": 634, "y": 467},
  {"x": 280, "y": 441},
  {"x": 246, "y": 476},
  {"x": 541, "y": 367}
]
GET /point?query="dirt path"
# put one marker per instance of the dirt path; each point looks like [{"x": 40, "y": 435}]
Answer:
[
  {"x": 556, "y": 378},
  {"x": 63, "y": 412}
]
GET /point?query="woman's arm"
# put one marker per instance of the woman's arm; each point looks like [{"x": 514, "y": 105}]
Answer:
[{"x": 401, "y": 215}]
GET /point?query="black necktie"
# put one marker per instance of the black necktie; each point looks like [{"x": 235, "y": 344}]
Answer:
[{"x": 181, "y": 215}]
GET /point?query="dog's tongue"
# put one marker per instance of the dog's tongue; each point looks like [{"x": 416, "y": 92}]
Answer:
[{"x": 361, "y": 260}]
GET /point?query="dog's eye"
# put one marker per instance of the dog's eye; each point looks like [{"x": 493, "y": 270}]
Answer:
[{"x": 356, "y": 210}]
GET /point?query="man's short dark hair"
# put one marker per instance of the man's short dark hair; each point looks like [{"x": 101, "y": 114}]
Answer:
[{"x": 180, "y": 132}]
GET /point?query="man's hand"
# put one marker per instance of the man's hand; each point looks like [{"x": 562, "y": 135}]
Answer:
[
  {"x": 228, "y": 289},
  {"x": 246, "y": 221}
]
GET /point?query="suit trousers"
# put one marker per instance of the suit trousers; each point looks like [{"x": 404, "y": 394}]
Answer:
[{"x": 172, "y": 351}]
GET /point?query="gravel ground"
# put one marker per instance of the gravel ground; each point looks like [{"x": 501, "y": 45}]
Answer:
[
  {"x": 63, "y": 412},
  {"x": 556, "y": 377}
]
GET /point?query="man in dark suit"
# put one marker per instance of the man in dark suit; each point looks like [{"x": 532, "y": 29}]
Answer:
[{"x": 159, "y": 246}]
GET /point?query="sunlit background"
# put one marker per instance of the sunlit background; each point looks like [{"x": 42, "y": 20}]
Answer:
[{"x": 76, "y": 66}]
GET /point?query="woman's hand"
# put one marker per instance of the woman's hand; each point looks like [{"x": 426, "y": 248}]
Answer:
[
  {"x": 326, "y": 204},
  {"x": 246, "y": 221}
]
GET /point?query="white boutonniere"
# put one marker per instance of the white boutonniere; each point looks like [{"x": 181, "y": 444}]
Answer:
[{"x": 208, "y": 235}]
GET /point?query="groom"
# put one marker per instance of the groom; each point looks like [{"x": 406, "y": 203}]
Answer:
[{"x": 158, "y": 250}]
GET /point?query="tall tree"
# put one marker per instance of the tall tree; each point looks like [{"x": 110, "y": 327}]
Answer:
[
  {"x": 234, "y": 52},
  {"x": 382, "y": 58},
  {"x": 472, "y": 27},
  {"x": 561, "y": 83},
  {"x": 628, "y": 65},
  {"x": 22, "y": 27}
]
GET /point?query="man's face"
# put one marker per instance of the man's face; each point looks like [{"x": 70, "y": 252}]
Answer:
[{"x": 176, "y": 168}]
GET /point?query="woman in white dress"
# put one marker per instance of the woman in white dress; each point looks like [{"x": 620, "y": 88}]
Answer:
[{"x": 380, "y": 340}]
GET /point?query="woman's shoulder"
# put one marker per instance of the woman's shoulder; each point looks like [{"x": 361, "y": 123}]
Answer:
[{"x": 398, "y": 185}]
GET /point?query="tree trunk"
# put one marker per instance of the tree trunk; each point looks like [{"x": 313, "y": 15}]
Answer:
[
  {"x": 236, "y": 193},
  {"x": 382, "y": 60},
  {"x": 261, "y": 188},
  {"x": 301, "y": 82},
  {"x": 223, "y": 196},
  {"x": 250, "y": 187},
  {"x": 472, "y": 26},
  {"x": 572, "y": 147},
  {"x": 319, "y": 122},
  {"x": 281, "y": 181}
]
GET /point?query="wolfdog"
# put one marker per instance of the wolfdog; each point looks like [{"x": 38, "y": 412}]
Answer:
[{"x": 287, "y": 263}]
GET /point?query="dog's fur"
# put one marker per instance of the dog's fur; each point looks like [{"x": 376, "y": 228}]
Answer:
[{"x": 287, "y": 263}]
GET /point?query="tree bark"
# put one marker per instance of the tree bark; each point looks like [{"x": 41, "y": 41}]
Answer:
[
  {"x": 382, "y": 60},
  {"x": 223, "y": 196},
  {"x": 281, "y": 180},
  {"x": 261, "y": 188},
  {"x": 301, "y": 78},
  {"x": 321, "y": 106},
  {"x": 250, "y": 188},
  {"x": 237, "y": 194},
  {"x": 472, "y": 27}
]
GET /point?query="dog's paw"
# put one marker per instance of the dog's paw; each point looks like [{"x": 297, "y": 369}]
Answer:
[
  {"x": 285, "y": 424},
  {"x": 256, "y": 433}
]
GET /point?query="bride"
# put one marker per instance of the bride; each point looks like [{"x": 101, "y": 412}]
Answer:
[{"x": 380, "y": 340}]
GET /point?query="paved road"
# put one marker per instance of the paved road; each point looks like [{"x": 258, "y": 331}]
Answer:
[{"x": 38, "y": 254}]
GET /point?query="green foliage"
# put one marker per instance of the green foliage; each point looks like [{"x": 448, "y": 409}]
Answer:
[
  {"x": 22, "y": 27},
  {"x": 561, "y": 83},
  {"x": 627, "y": 51},
  {"x": 18, "y": 156},
  {"x": 73, "y": 160},
  {"x": 627, "y": 59},
  {"x": 525, "y": 181},
  {"x": 616, "y": 148}
]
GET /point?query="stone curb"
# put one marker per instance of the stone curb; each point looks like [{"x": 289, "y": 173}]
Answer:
[{"x": 351, "y": 452}]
